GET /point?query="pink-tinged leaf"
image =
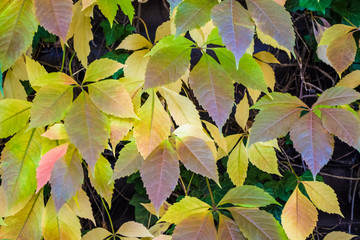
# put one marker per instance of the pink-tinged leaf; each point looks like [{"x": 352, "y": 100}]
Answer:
[
  {"x": 199, "y": 226},
  {"x": 228, "y": 229},
  {"x": 160, "y": 173},
  {"x": 213, "y": 88},
  {"x": 119, "y": 128},
  {"x": 66, "y": 177},
  {"x": 342, "y": 123},
  {"x": 102, "y": 179},
  {"x": 337, "y": 96},
  {"x": 25, "y": 224},
  {"x": 273, "y": 21},
  {"x": 50, "y": 104},
  {"x": 278, "y": 99},
  {"x": 43, "y": 172},
  {"x": 235, "y": 26},
  {"x": 257, "y": 224},
  {"x": 299, "y": 216},
  {"x": 341, "y": 52},
  {"x": 88, "y": 128},
  {"x": 196, "y": 156},
  {"x": 273, "y": 122},
  {"x": 62, "y": 224},
  {"x": 313, "y": 141},
  {"x": 153, "y": 126},
  {"x": 111, "y": 97},
  {"x": 129, "y": 161},
  {"x": 55, "y": 16},
  {"x": 19, "y": 160}
]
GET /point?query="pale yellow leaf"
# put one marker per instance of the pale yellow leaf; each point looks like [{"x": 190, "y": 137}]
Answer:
[
  {"x": 264, "y": 158},
  {"x": 56, "y": 132},
  {"x": 158, "y": 229},
  {"x": 34, "y": 70},
  {"x": 134, "y": 42},
  {"x": 151, "y": 209},
  {"x": 336, "y": 235},
  {"x": 19, "y": 69},
  {"x": 242, "y": 112},
  {"x": 334, "y": 32},
  {"x": 299, "y": 216},
  {"x": 97, "y": 234},
  {"x": 237, "y": 164},
  {"x": 351, "y": 80},
  {"x": 269, "y": 74},
  {"x": 231, "y": 140},
  {"x": 266, "y": 57},
  {"x": 136, "y": 64},
  {"x": 81, "y": 206},
  {"x": 163, "y": 30},
  {"x": 13, "y": 88},
  {"x": 134, "y": 229},
  {"x": 119, "y": 128},
  {"x": 101, "y": 69}
]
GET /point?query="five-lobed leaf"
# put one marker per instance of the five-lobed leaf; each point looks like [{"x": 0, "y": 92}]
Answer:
[
  {"x": 299, "y": 216},
  {"x": 160, "y": 173}
]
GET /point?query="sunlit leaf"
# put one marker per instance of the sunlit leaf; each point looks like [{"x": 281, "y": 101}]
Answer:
[
  {"x": 66, "y": 177},
  {"x": 56, "y": 132},
  {"x": 151, "y": 209},
  {"x": 235, "y": 26},
  {"x": 62, "y": 224},
  {"x": 342, "y": 123},
  {"x": 13, "y": 87},
  {"x": 96, "y": 234},
  {"x": 14, "y": 115},
  {"x": 192, "y": 14},
  {"x": 278, "y": 99},
  {"x": 81, "y": 206},
  {"x": 17, "y": 27},
  {"x": 127, "y": 8},
  {"x": 266, "y": 57},
  {"x": 52, "y": 78},
  {"x": 248, "y": 196},
  {"x": 183, "y": 209},
  {"x": 19, "y": 160},
  {"x": 46, "y": 164},
  {"x": 129, "y": 161},
  {"x": 299, "y": 216},
  {"x": 134, "y": 229},
  {"x": 136, "y": 64},
  {"x": 237, "y": 164},
  {"x": 334, "y": 32},
  {"x": 87, "y": 128},
  {"x": 337, "y": 96},
  {"x": 27, "y": 222},
  {"x": 50, "y": 104},
  {"x": 154, "y": 126},
  {"x": 119, "y": 128},
  {"x": 199, "y": 226},
  {"x": 257, "y": 224},
  {"x": 55, "y": 16},
  {"x": 242, "y": 112},
  {"x": 335, "y": 235},
  {"x": 351, "y": 80},
  {"x": 228, "y": 229},
  {"x": 111, "y": 97},
  {"x": 264, "y": 157},
  {"x": 134, "y": 42},
  {"x": 100, "y": 69},
  {"x": 273, "y": 21},
  {"x": 323, "y": 196}
]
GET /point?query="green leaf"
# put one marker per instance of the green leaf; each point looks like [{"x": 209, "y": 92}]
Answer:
[
  {"x": 17, "y": 27},
  {"x": 312, "y": 141},
  {"x": 111, "y": 97},
  {"x": 336, "y": 96},
  {"x": 26, "y": 223},
  {"x": 14, "y": 116},
  {"x": 184, "y": 209},
  {"x": 272, "y": 21},
  {"x": 1, "y": 82},
  {"x": 213, "y": 88},
  {"x": 100, "y": 69},
  {"x": 129, "y": 161},
  {"x": 257, "y": 224},
  {"x": 102, "y": 179},
  {"x": 193, "y": 14},
  {"x": 66, "y": 177},
  {"x": 167, "y": 65},
  {"x": 160, "y": 173},
  {"x": 88, "y": 128},
  {"x": 235, "y": 26},
  {"x": 199, "y": 226},
  {"x": 62, "y": 224},
  {"x": 248, "y": 196},
  {"x": 50, "y": 104},
  {"x": 315, "y": 5},
  {"x": 127, "y": 8},
  {"x": 19, "y": 160}
]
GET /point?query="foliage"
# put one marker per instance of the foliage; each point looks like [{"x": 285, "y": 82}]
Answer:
[{"x": 148, "y": 98}]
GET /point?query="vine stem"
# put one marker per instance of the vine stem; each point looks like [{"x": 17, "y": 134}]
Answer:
[
  {"x": 108, "y": 214},
  {"x": 211, "y": 195},
  {"x": 70, "y": 68},
  {"x": 146, "y": 30},
  {"x": 63, "y": 59}
]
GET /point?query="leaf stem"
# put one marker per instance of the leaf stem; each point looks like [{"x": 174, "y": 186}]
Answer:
[
  {"x": 211, "y": 195},
  {"x": 183, "y": 185},
  {"x": 108, "y": 214},
  {"x": 188, "y": 187},
  {"x": 63, "y": 59},
  {"x": 70, "y": 70},
  {"x": 146, "y": 30}
]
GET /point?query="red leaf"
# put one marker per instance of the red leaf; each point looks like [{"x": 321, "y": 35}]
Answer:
[
  {"x": 313, "y": 141},
  {"x": 43, "y": 172}
]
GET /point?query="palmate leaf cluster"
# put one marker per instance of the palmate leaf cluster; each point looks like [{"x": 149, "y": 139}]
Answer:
[{"x": 154, "y": 112}]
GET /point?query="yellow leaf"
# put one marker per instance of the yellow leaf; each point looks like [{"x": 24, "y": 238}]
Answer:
[
  {"x": 351, "y": 80},
  {"x": 136, "y": 64},
  {"x": 19, "y": 69},
  {"x": 183, "y": 209},
  {"x": 237, "y": 164},
  {"x": 134, "y": 42},
  {"x": 231, "y": 140},
  {"x": 269, "y": 74},
  {"x": 134, "y": 229},
  {"x": 334, "y": 32},
  {"x": 34, "y": 70},
  {"x": 242, "y": 112},
  {"x": 13, "y": 88},
  {"x": 154, "y": 126},
  {"x": 254, "y": 94},
  {"x": 266, "y": 57},
  {"x": 62, "y": 225},
  {"x": 17, "y": 27},
  {"x": 339, "y": 235},
  {"x": 97, "y": 234},
  {"x": 80, "y": 204},
  {"x": 80, "y": 28},
  {"x": 160, "y": 228},
  {"x": 163, "y": 30},
  {"x": 119, "y": 127},
  {"x": 101, "y": 69},
  {"x": 272, "y": 42},
  {"x": 55, "y": 78},
  {"x": 299, "y": 216},
  {"x": 323, "y": 196},
  {"x": 56, "y": 132},
  {"x": 263, "y": 157},
  {"x": 151, "y": 209}
]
